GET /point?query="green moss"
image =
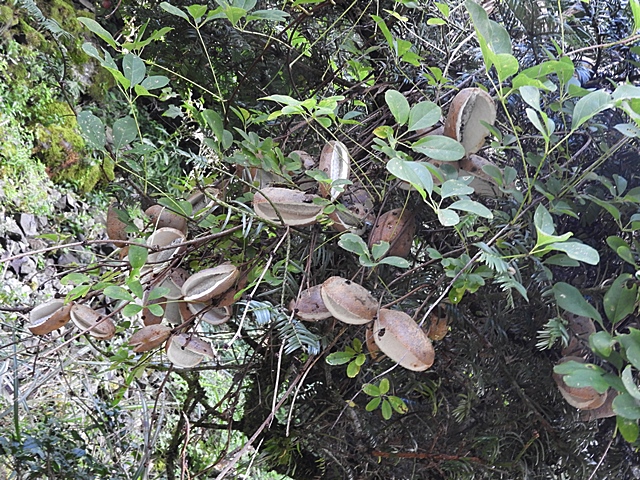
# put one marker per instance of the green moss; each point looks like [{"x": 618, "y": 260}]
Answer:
[{"x": 34, "y": 38}]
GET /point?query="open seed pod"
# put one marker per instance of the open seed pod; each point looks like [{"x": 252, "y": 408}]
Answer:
[
  {"x": 164, "y": 237},
  {"x": 49, "y": 316},
  {"x": 116, "y": 229},
  {"x": 174, "y": 282},
  {"x": 163, "y": 217},
  {"x": 148, "y": 317},
  {"x": 295, "y": 207},
  {"x": 210, "y": 314},
  {"x": 209, "y": 283},
  {"x": 580, "y": 329},
  {"x": 348, "y": 301},
  {"x": 439, "y": 326},
  {"x": 202, "y": 201},
  {"x": 482, "y": 183},
  {"x": 86, "y": 317},
  {"x": 336, "y": 163},
  {"x": 469, "y": 108},
  {"x": 402, "y": 340},
  {"x": 310, "y": 306},
  {"x": 603, "y": 411},
  {"x": 149, "y": 337},
  {"x": 370, "y": 342},
  {"x": 187, "y": 350},
  {"x": 584, "y": 398},
  {"x": 353, "y": 220},
  {"x": 397, "y": 227}
]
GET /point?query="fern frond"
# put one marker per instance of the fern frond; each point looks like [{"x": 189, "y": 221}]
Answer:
[
  {"x": 554, "y": 330},
  {"x": 293, "y": 332},
  {"x": 48, "y": 24},
  {"x": 507, "y": 284},
  {"x": 492, "y": 259}
]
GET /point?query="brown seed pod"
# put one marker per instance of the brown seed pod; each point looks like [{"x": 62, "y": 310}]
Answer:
[
  {"x": 149, "y": 337},
  {"x": 310, "y": 306},
  {"x": 210, "y": 314},
  {"x": 348, "y": 301},
  {"x": 308, "y": 162},
  {"x": 336, "y": 163},
  {"x": 584, "y": 398},
  {"x": 295, "y": 207},
  {"x": 149, "y": 318},
  {"x": 402, "y": 340},
  {"x": 163, "y": 217},
  {"x": 161, "y": 238},
  {"x": 352, "y": 220},
  {"x": 372, "y": 348},
  {"x": 86, "y": 317},
  {"x": 580, "y": 329},
  {"x": 49, "y": 316},
  {"x": 202, "y": 202},
  {"x": 482, "y": 183},
  {"x": 439, "y": 326},
  {"x": 397, "y": 227},
  {"x": 186, "y": 350},
  {"x": 209, "y": 283},
  {"x": 469, "y": 108},
  {"x": 116, "y": 229}
]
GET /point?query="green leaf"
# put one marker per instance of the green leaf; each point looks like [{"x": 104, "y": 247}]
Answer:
[
  {"x": 131, "y": 309},
  {"x": 384, "y": 386},
  {"x": 582, "y": 375},
  {"x": 197, "y": 11},
  {"x": 133, "y": 68},
  {"x": 473, "y": 207},
  {"x": 154, "y": 82},
  {"x": 173, "y": 10},
  {"x": 118, "y": 293},
  {"x": 439, "y": 147},
  {"x": 125, "y": 131},
  {"x": 181, "y": 207},
  {"x": 570, "y": 299},
  {"x": 416, "y": 173},
  {"x": 92, "y": 130},
  {"x": 543, "y": 221},
  {"x": 96, "y": 28},
  {"x": 77, "y": 292},
  {"x": 635, "y": 10},
  {"x": 395, "y": 262},
  {"x": 158, "y": 292},
  {"x": 398, "y": 105},
  {"x": 628, "y": 428},
  {"x": 270, "y": 15},
  {"x": 378, "y": 250},
  {"x": 602, "y": 343},
  {"x": 455, "y": 187},
  {"x": 578, "y": 251},
  {"x": 371, "y": 389},
  {"x": 339, "y": 358},
  {"x": 447, "y": 217},
  {"x": 353, "y": 243},
  {"x": 629, "y": 383},
  {"x": 626, "y": 406},
  {"x": 156, "y": 309},
  {"x": 360, "y": 359},
  {"x": 398, "y": 404},
  {"x": 386, "y": 409},
  {"x": 353, "y": 369},
  {"x": 423, "y": 115},
  {"x": 531, "y": 95},
  {"x": 136, "y": 287},
  {"x": 75, "y": 278},
  {"x": 589, "y": 106},
  {"x": 619, "y": 301},
  {"x": 137, "y": 256},
  {"x": 373, "y": 404},
  {"x": 631, "y": 344}
]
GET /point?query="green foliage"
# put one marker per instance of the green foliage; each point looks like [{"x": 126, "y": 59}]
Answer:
[{"x": 387, "y": 403}]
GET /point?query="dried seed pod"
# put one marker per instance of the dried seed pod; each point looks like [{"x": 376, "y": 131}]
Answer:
[
  {"x": 603, "y": 411},
  {"x": 353, "y": 220},
  {"x": 295, "y": 207},
  {"x": 186, "y": 350},
  {"x": 402, "y": 340},
  {"x": 469, "y": 108},
  {"x": 49, "y": 316},
  {"x": 209, "y": 283},
  {"x": 86, "y": 317},
  {"x": 372, "y": 348},
  {"x": 336, "y": 163},
  {"x": 348, "y": 301},
  {"x": 439, "y": 326},
  {"x": 308, "y": 162},
  {"x": 202, "y": 202},
  {"x": 161, "y": 238},
  {"x": 482, "y": 183},
  {"x": 397, "y": 227},
  {"x": 174, "y": 282},
  {"x": 149, "y": 337},
  {"x": 584, "y": 398},
  {"x": 162, "y": 217},
  {"x": 210, "y": 314},
  {"x": 116, "y": 229},
  {"x": 580, "y": 329},
  {"x": 310, "y": 306},
  {"x": 148, "y": 317}
]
